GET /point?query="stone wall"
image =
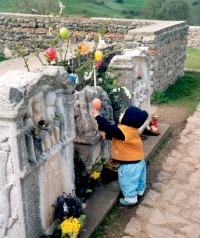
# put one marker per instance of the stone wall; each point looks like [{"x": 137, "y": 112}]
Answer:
[
  {"x": 194, "y": 37},
  {"x": 31, "y": 32},
  {"x": 166, "y": 40}
]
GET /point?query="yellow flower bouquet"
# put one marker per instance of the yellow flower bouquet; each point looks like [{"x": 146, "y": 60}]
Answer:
[{"x": 70, "y": 227}]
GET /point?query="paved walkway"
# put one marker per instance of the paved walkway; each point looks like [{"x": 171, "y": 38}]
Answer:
[{"x": 171, "y": 209}]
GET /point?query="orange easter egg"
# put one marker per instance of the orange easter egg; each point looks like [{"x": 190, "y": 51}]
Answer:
[
  {"x": 83, "y": 206},
  {"x": 96, "y": 103}
]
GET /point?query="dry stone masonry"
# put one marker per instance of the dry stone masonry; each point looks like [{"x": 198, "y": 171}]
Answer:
[
  {"x": 166, "y": 40},
  {"x": 194, "y": 37}
]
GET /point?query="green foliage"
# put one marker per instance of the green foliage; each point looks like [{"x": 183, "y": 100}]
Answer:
[
  {"x": 85, "y": 181},
  {"x": 20, "y": 52},
  {"x": 2, "y": 59},
  {"x": 185, "y": 92},
  {"x": 166, "y": 10},
  {"x": 192, "y": 59},
  {"x": 109, "y": 84}
]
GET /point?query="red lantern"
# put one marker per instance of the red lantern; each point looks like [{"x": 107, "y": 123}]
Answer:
[
  {"x": 51, "y": 54},
  {"x": 96, "y": 103}
]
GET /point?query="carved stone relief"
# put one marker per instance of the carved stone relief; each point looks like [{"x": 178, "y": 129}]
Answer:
[
  {"x": 35, "y": 123},
  {"x": 134, "y": 66},
  {"x": 7, "y": 217},
  {"x": 46, "y": 124}
]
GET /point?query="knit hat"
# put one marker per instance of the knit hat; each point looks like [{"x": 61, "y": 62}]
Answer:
[{"x": 134, "y": 117}]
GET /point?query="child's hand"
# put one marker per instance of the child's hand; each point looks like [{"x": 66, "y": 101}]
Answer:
[
  {"x": 95, "y": 112},
  {"x": 103, "y": 135}
]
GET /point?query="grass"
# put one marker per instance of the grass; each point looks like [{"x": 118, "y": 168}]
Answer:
[
  {"x": 192, "y": 59},
  {"x": 2, "y": 59},
  {"x": 7, "y": 6},
  {"x": 185, "y": 92},
  {"x": 108, "y": 223},
  {"x": 90, "y": 8}
]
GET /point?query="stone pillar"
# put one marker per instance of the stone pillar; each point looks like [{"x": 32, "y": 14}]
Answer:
[
  {"x": 87, "y": 140},
  {"x": 134, "y": 69}
]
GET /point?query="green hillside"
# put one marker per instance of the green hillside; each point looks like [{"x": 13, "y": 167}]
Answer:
[
  {"x": 105, "y": 8},
  {"x": 7, "y": 6}
]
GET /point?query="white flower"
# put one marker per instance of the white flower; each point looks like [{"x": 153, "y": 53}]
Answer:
[
  {"x": 100, "y": 80},
  {"x": 127, "y": 92},
  {"x": 87, "y": 75}
]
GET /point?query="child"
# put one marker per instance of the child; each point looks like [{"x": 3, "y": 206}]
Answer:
[{"x": 127, "y": 150}]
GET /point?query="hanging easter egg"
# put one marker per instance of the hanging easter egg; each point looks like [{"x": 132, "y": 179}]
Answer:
[
  {"x": 98, "y": 55},
  {"x": 83, "y": 206},
  {"x": 51, "y": 54},
  {"x": 99, "y": 63},
  {"x": 64, "y": 33},
  {"x": 96, "y": 103}
]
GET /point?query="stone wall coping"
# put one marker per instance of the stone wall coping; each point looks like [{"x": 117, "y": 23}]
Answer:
[
  {"x": 35, "y": 16},
  {"x": 161, "y": 26},
  {"x": 81, "y": 18},
  {"x": 125, "y": 20},
  {"x": 195, "y": 27}
]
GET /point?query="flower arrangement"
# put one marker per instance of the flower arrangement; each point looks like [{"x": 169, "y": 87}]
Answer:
[
  {"x": 69, "y": 210},
  {"x": 87, "y": 179},
  {"x": 71, "y": 226}
]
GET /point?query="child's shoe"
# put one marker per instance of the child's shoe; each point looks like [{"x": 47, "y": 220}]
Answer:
[
  {"x": 140, "y": 193},
  {"x": 128, "y": 201}
]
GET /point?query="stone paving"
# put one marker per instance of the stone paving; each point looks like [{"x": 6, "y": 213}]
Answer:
[{"x": 171, "y": 209}]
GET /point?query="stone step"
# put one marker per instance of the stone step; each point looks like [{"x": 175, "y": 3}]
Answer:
[{"x": 103, "y": 199}]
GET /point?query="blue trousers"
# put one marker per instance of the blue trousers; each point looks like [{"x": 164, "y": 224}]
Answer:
[{"x": 132, "y": 178}]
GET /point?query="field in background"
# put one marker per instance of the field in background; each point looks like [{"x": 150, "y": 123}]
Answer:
[
  {"x": 104, "y": 8},
  {"x": 7, "y": 6}
]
